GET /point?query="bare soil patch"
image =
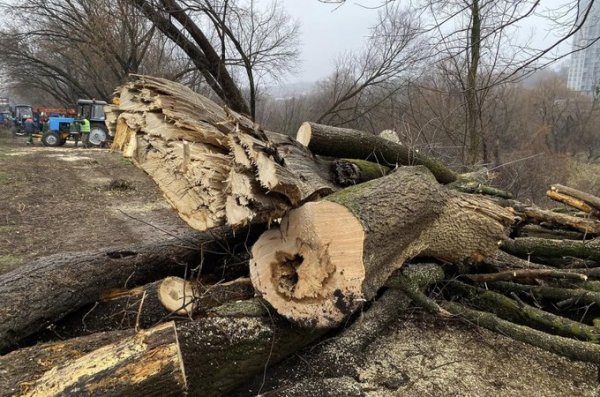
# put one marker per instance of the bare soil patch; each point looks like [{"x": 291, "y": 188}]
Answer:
[{"x": 66, "y": 199}]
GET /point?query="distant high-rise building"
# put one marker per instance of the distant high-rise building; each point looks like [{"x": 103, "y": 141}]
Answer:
[{"x": 584, "y": 72}]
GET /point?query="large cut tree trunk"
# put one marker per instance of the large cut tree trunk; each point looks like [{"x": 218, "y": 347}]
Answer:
[
  {"x": 213, "y": 165},
  {"x": 37, "y": 294},
  {"x": 329, "y": 256}
]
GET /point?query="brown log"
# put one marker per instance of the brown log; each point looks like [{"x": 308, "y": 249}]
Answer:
[
  {"x": 21, "y": 367},
  {"x": 347, "y": 143},
  {"x": 208, "y": 357},
  {"x": 589, "y": 199},
  {"x": 570, "y": 201},
  {"x": 328, "y": 257},
  {"x": 213, "y": 165},
  {"x": 72, "y": 281},
  {"x": 586, "y": 226}
]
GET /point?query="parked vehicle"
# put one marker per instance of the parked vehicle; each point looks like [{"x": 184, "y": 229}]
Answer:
[
  {"x": 22, "y": 113},
  {"x": 61, "y": 128}
]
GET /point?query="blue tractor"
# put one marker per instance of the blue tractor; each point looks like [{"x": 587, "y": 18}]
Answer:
[{"x": 60, "y": 128}]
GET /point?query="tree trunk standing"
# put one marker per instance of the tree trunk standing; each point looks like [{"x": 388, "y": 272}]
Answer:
[
  {"x": 71, "y": 281},
  {"x": 330, "y": 256},
  {"x": 474, "y": 46}
]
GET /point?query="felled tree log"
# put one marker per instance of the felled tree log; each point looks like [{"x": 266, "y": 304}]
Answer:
[
  {"x": 544, "y": 232},
  {"x": 350, "y": 172},
  {"x": 587, "y": 198},
  {"x": 213, "y": 165},
  {"x": 571, "y": 201},
  {"x": 71, "y": 281},
  {"x": 347, "y": 143},
  {"x": 330, "y": 256},
  {"x": 586, "y": 226},
  {"x": 20, "y": 367},
  {"x": 540, "y": 247},
  {"x": 144, "y": 307},
  {"x": 208, "y": 357}
]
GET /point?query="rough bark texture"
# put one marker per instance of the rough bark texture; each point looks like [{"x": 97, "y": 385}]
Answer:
[
  {"x": 586, "y": 226},
  {"x": 39, "y": 293},
  {"x": 330, "y": 256},
  {"x": 540, "y": 247},
  {"x": 518, "y": 312},
  {"x": 141, "y": 308},
  {"x": 346, "y": 143}
]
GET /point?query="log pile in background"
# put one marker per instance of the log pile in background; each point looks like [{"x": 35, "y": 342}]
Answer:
[{"x": 340, "y": 229}]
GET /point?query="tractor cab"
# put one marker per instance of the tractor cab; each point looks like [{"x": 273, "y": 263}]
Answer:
[
  {"x": 22, "y": 113},
  {"x": 94, "y": 111}
]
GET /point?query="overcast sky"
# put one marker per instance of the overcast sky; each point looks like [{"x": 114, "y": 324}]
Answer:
[{"x": 328, "y": 30}]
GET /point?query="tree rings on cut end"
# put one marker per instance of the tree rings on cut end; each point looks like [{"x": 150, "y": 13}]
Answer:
[
  {"x": 177, "y": 295},
  {"x": 304, "y": 133},
  {"x": 310, "y": 269}
]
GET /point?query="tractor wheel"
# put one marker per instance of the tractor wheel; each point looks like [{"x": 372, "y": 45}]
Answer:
[
  {"x": 98, "y": 135},
  {"x": 51, "y": 138}
]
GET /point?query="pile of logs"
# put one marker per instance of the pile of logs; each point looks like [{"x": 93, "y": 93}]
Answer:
[{"x": 295, "y": 236}]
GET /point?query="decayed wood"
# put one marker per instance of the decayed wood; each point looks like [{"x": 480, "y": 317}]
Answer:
[
  {"x": 20, "y": 367},
  {"x": 328, "y": 257},
  {"x": 145, "y": 364},
  {"x": 343, "y": 354},
  {"x": 213, "y": 165},
  {"x": 346, "y": 143},
  {"x": 207, "y": 357},
  {"x": 589, "y": 199},
  {"x": 540, "y": 247},
  {"x": 71, "y": 281}
]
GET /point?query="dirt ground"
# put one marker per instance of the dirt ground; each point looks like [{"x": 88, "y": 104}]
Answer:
[{"x": 61, "y": 200}]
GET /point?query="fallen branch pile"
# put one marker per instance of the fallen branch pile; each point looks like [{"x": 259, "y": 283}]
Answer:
[{"x": 318, "y": 229}]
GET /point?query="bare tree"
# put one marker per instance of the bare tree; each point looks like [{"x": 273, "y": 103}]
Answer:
[
  {"x": 226, "y": 38},
  {"x": 72, "y": 48},
  {"x": 365, "y": 80}
]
